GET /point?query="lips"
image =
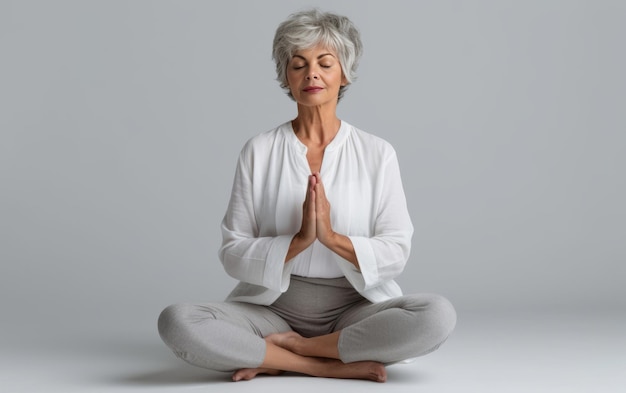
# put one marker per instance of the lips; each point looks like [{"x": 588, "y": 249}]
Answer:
[{"x": 312, "y": 89}]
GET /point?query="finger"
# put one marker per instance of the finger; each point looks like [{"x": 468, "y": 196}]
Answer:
[
  {"x": 317, "y": 176},
  {"x": 311, "y": 202},
  {"x": 319, "y": 186},
  {"x": 322, "y": 206},
  {"x": 311, "y": 198},
  {"x": 310, "y": 187},
  {"x": 307, "y": 229}
]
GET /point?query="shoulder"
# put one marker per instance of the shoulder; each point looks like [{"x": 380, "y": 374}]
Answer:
[
  {"x": 370, "y": 144},
  {"x": 265, "y": 141},
  {"x": 268, "y": 137}
]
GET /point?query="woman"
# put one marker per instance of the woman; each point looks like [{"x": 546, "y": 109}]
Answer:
[{"x": 316, "y": 229}]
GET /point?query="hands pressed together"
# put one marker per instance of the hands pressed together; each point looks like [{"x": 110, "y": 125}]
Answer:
[
  {"x": 315, "y": 214},
  {"x": 316, "y": 224}
]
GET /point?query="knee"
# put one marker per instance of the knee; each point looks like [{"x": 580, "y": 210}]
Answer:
[
  {"x": 434, "y": 316},
  {"x": 443, "y": 316},
  {"x": 171, "y": 323}
]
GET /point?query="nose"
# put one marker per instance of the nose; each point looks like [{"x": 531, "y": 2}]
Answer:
[{"x": 311, "y": 75}]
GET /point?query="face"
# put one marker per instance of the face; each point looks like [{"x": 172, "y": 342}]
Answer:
[{"x": 315, "y": 76}]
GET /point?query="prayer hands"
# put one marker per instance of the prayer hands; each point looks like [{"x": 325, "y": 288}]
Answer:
[
  {"x": 316, "y": 225},
  {"x": 316, "y": 213}
]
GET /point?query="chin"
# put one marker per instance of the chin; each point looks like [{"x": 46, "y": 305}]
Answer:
[{"x": 314, "y": 101}]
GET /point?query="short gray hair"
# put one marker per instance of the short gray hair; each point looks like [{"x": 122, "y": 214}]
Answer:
[{"x": 306, "y": 29}]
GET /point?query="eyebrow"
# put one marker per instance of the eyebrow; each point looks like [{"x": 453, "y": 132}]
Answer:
[{"x": 318, "y": 57}]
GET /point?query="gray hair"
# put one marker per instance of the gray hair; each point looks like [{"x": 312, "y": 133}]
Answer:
[{"x": 306, "y": 29}]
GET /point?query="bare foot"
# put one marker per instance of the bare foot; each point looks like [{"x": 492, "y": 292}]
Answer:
[
  {"x": 372, "y": 371},
  {"x": 281, "y": 354},
  {"x": 331, "y": 368},
  {"x": 286, "y": 340},
  {"x": 246, "y": 374}
]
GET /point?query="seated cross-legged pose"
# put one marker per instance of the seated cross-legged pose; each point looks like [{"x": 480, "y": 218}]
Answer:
[{"x": 316, "y": 230}]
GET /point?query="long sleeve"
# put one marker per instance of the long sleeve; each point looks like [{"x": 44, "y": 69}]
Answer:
[
  {"x": 246, "y": 256},
  {"x": 383, "y": 254}
]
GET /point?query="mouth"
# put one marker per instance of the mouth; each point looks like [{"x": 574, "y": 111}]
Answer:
[{"x": 312, "y": 89}]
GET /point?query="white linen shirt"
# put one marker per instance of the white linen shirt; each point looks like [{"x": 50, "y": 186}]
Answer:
[{"x": 362, "y": 181}]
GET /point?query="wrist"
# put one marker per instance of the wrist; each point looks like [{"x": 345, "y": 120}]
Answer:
[
  {"x": 331, "y": 240},
  {"x": 298, "y": 244}
]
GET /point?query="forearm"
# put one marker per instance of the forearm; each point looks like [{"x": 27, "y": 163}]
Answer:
[
  {"x": 297, "y": 245},
  {"x": 342, "y": 246}
]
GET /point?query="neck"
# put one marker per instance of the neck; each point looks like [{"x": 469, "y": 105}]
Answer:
[{"x": 316, "y": 125}]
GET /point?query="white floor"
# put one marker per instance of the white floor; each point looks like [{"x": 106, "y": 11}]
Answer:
[{"x": 540, "y": 352}]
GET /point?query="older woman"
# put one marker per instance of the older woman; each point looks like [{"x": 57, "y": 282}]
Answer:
[{"x": 316, "y": 230}]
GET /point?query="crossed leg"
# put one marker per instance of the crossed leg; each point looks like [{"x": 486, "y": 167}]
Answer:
[
  {"x": 225, "y": 336},
  {"x": 322, "y": 361},
  {"x": 394, "y": 330}
]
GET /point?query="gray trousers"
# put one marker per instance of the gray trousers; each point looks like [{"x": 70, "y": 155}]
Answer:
[{"x": 228, "y": 336}]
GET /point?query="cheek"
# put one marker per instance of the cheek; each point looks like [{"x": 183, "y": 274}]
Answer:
[
  {"x": 338, "y": 80},
  {"x": 337, "y": 77},
  {"x": 290, "y": 77}
]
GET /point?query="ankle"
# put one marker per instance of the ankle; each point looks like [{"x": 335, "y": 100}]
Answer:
[{"x": 299, "y": 345}]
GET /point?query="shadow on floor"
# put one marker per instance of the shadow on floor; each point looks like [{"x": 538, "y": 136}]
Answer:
[
  {"x": 149, "y": 363},
  {"x": 182, "y": 375}
]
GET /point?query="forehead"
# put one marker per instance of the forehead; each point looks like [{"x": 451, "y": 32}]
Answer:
[{"x": 313, "y": 52}]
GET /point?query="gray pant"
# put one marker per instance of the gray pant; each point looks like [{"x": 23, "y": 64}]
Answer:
[{"x": 228, "y": 336}]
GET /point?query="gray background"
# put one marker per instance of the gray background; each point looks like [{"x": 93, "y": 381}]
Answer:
[{"x": 121, "y": 122}]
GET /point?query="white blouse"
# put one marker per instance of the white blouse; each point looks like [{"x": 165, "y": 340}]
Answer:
[{"x": 362, "y": 181}]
